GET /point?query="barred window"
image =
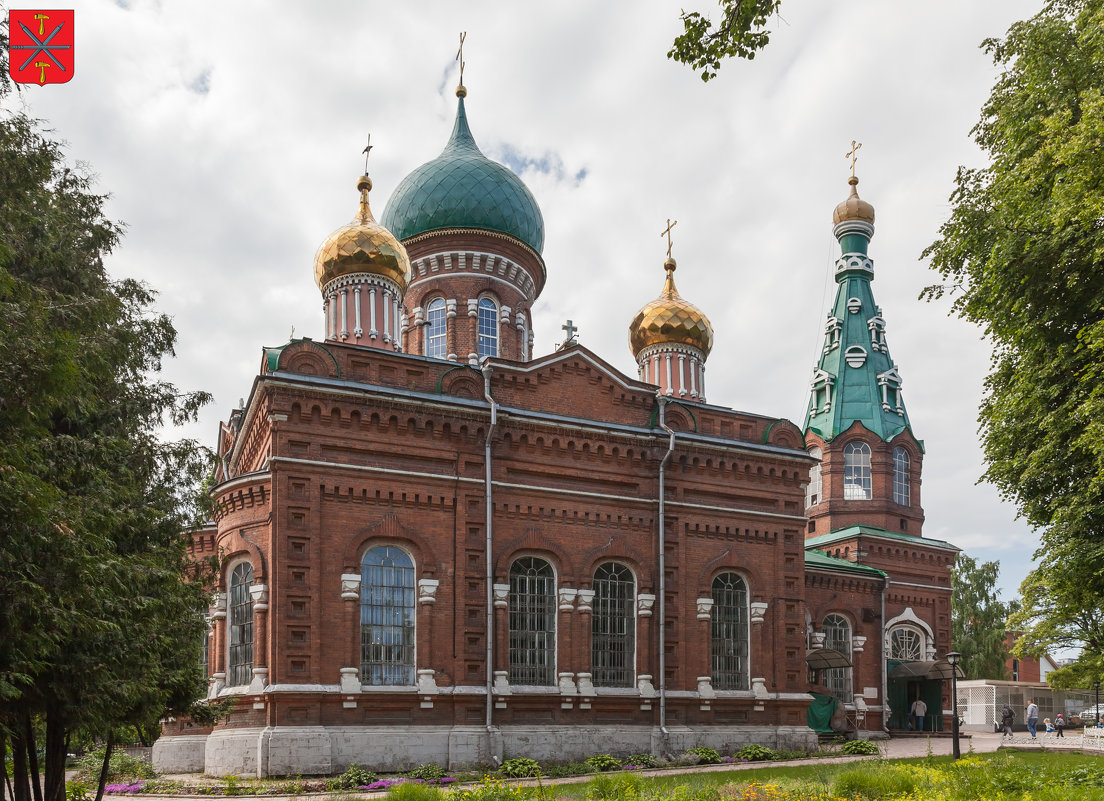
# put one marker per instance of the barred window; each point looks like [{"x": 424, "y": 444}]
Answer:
[
  {"x": 901, "y": 488},
  {"x": 386, "y": 617},
  {"x": 613, "y": 627},
  {"x": 241, "y": 626},
  {"x": 906, "y": 643},
  {"x": 532, "y": 608},
  {"x": 856, "y": 471},
  {"x": 730, "y": 635},
  {"x": 838, "y": 637},
  {"x": 812, "y": 492},
  {"x": 488, "y": 328},
  {"x": 435, "y": 344}
]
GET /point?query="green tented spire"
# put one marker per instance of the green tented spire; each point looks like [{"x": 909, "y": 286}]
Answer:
[{"x": 856, "y": 379}]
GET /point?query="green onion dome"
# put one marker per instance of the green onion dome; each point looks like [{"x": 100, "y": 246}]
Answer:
[{"x": 462, "y": 188}]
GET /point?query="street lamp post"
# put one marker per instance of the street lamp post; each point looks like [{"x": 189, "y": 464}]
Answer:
[{"x": 952, "y": 660}]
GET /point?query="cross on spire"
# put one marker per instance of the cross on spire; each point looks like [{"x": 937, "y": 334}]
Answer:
[
  {"x": 460, "y": 55},
  {"x": 667, "y": 233},
  {"x": 853, "y": 154},
  {"x": 366, "y": 151}
]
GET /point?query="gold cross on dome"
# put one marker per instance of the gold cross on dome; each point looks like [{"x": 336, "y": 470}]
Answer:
[
  {"x": 460, "y": 55},
  {"x": 667, "y": 233},
  {"x": 853, "y": 154},
  {"x": 366, "y": 151}
]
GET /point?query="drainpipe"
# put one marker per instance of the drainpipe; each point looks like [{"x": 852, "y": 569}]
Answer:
[
  {"x": 885, "y": 674},
  {"x": 662, "y": 572},
  {"x": 490, "y": 559}
]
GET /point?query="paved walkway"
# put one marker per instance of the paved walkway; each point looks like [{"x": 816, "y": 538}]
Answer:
[{"x": 895, "y": 748}]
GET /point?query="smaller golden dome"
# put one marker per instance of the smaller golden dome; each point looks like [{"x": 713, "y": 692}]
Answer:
[
  {"x": 670, "y": 320},
  {"x": 362, "y": 246},
  {"x": 854, "y": 208}
]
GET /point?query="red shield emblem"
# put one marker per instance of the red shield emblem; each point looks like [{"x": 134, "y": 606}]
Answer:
[{"x": 40, "y": 46}]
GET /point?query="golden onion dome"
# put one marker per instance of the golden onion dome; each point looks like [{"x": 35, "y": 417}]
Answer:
[
  {"x": 854, "y": 208},
  {"x": 362, "y": 246},
  {"x": 670, "y": 320}
]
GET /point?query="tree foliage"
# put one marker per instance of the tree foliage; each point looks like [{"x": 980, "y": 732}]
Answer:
[
  {"x": 1023, "y": 256},
  {"x": 741, "y": 33},
  {"x": 99, "y": 626},
  {"x": 978, "y": 618}
]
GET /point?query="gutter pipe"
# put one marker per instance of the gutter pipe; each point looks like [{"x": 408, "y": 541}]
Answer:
[
  {"x": 490, "y": 558},
  {"x": 660, "y": 541}
]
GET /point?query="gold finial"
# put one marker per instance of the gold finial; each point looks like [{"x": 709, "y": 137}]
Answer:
[
  {"x": 460, "y": 90},
  {"x": 366, "y": 151},
  {"x": 667, "y": 233},
  {"x": 853, "y": 154}
]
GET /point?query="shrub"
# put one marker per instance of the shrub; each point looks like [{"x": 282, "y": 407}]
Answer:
[
  {"x": 567, "y": 770},
  {"x": 520, "y": 768},
  {"x": 122, "y": 765},
  {"x": 489, "y": 789},
  {"x": 414, "y": 791},
  {"x": 77, "y": 791},
  {"x": 642, "y": 760},
  {"x": 355, "y": 776},
  {"x": 859, "y": 747},
  {"x": 620, "y": 786},
  {"x": 603, "y": 762},
  {"x": 754, "y": 753},
  {"x": 707, "y": 755},
  {"x": 428, "y": 772}
]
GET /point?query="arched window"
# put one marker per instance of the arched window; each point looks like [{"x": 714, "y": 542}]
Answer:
[
  {"x": 837, "y": 632},
  {"x": 612, "y": 627},
  {"x": 532, "y": 610},
  {"x": 386, "y": 617},
  {"x": 812, "y": 491},
  {"x": 901, "y": 488},
  {"x": 240, "y": 657},
  {"x": 435, "y": 345},
  {"x": 488, "y": 328},
  {"x": 906, "y": 643},
  {"x": 205, "y": 650},
  {"x": 729, "y": 628},
  {"x": 856, "y": 471}
]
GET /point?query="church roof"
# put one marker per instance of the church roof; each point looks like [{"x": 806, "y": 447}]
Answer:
[
  {"x": 816, "y": 560},
  {"x": 872, "y": 531},
  {"x": 462, "y": 188},
  {"x": 856, "y": 379}
]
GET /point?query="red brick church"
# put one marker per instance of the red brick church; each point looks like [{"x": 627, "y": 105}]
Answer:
[{"x": 441, "y": 544}]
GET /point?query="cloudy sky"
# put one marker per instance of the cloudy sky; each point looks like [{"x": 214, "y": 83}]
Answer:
[{"x": 229, "y": 137}]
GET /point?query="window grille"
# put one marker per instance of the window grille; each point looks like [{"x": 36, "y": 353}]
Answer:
[
  {"x": 241, "y": 626},
  {"x": 901, "y": 489},
  {"x": 386, "y": 617},
  {"x": 837, "y": 632},
  {"x": 612, "y": 627},
  {"x": 532, "y": 608},
  {"x": 488, "y": 328},
  {"x": 812, "y": 492},
  {"x": 856, "y": 471},
  {"x": 730, "y": 634},
  {"x": 435, "y": 344},
  {"x": 906, "y": 644},
  {"x": 205, "y": 654}
]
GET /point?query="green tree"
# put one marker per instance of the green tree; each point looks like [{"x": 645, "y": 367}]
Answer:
[
  {"x": 1023, "y": 256},
  {"x": 100, "y": 627},
  {"x": 978, "y": 618},
  {"x": 741, "y": 33}
]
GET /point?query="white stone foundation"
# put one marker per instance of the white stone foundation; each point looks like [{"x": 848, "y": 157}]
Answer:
[{"x": 322, "y": 750}]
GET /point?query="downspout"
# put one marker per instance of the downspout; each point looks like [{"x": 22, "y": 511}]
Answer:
[
  {"x": 662, "y": 572},
  {"x": 885, "y": 672},
  {"x": 490, "y": 559}
]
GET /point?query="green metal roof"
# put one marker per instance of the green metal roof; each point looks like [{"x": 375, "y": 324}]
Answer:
[
  {"x": 462, "y": 188},
  {"x": 861, "y": 379},
  {"x": 818, "y": 560},
  {"x": 872, "y": 531}
]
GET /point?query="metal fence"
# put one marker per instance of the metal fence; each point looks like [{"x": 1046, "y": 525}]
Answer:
[{"x": 980, "y": 703}]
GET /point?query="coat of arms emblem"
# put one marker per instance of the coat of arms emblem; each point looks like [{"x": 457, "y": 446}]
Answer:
[{"x": 40, "y": 47}]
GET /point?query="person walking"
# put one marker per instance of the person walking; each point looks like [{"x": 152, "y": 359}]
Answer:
[
  {"x": 1059, "y": 725},
  {"x": 1032, "y": 718},
  {"x": 1008, "y": 716},
  {"x": 919, "y": 709}
]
